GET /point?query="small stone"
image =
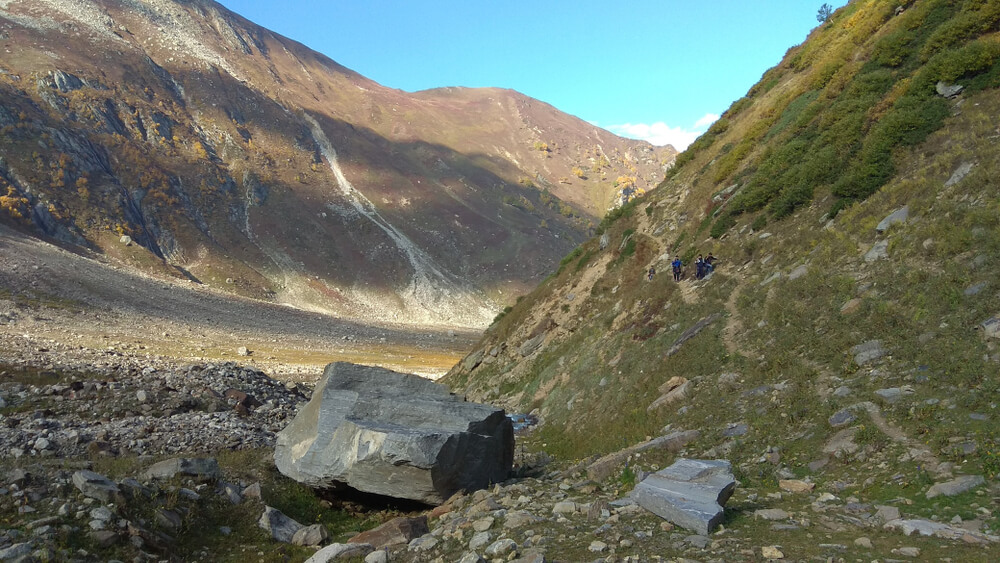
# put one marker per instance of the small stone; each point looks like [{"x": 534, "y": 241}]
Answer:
[
  {"x": 771, "y": 514},
  {"x": 423, "y": 543},
  {"x": 841, "y": 418},
  {"x": 168, "y": 519},
  {"x": 863, "y": 542},
  {"x": 253, "y": 491},
  {"x": 378, "y": 556},
  {"x": 96, "y": 486},
  {"x": 597, "y": 546},
  {"x": 101, "y": 513},
  {"x": 879, "y": 251},
  {"x": 141, "y": 396},
  {"x": 315, "y": 534},
  {"x": 886, "y": 513},
  {"x": 850, "y": 307},
  {"x": 771, "y": 552},
  {"x": 479, "y": 539},
  {"x": 948, "y": 90},
  {"x": 991, "y": 327},
  {"x": 868, "y": 352},
  {"x": 501, "y": 548},
  {"x": 795, "y": 486},
  {"x": 564, "y": 507},
  {"x": 907, "y": 551},
  {"x": 483, "y": 524},
  {"x": 825, "y": 497},
  {"x": 974, "y": 289},
  {"x": 894, "y": 394},
  {"x": 281, "y": 527},
  {"x": 735, "y": 430},
  {"x": 243, "y": 351}
]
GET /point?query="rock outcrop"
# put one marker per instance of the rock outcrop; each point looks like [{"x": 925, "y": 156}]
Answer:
[
  {"x": 690, "y": 493},
  {"x": 394, "y": 434}
]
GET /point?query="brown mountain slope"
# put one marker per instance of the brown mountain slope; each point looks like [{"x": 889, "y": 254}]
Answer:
[{"x": 249, "y": 162}]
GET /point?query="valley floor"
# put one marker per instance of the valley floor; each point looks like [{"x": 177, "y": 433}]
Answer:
[{"x": 53, "y": 299}]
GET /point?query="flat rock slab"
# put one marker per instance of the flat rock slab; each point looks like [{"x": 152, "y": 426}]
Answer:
[
  {"x": 690, "y": 493},
  {"x": 956, "y": 486},
  {"x": 96, "y": 486},
  {"x": 937, "y": 529},
  {"x": 878, "y": 251},
  {"x": 340, "y": 551},
  {"x": 692, "y": 332},
  {"x": 898, "y": 216},
  {"x": 394, "y": 434},
  {"x": 868, "y": 352}
]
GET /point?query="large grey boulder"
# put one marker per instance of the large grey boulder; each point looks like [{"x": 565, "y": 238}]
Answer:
[
  {"x": 690, "y": 493},
  {"x": 394, "y": 434}
]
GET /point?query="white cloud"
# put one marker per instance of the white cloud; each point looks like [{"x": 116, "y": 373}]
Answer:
[
  {"x": 704, "y": 122},
  {"x": 660, "y": 133}
]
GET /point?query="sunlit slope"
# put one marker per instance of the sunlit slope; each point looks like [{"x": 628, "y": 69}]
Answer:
[{"x": 818, "y": 307}]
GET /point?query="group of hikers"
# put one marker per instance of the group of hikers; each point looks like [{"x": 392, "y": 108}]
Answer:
[{"x": 703, "y": 267}]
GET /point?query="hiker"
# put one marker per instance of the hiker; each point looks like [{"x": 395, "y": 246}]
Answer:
[
  {"x": 676, "y": 264},
  {"x": 651, "y": 273},
  {"x": 699, "y": 265},
  {"x": 710, "y": 264}
]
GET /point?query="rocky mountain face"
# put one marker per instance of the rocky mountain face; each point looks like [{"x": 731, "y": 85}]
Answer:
[
  {"x": 847, "y": 335},
  {"x": 244, "y": 160}
]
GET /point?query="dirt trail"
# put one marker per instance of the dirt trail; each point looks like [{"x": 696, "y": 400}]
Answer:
[
  {"x": 920, "y": 451},
  {"x": 734, "y": 323}
]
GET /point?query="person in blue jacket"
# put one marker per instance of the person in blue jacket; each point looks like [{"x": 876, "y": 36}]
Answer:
[{"x": 677, "y": 264}]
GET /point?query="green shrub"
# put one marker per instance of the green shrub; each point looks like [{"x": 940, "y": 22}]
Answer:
[
  {"x": 975, "y": 19},
  {"x": 722, "y": 224}
]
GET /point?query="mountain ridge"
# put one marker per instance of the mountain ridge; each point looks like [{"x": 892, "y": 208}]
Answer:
[{"x": 182, "y": 124}]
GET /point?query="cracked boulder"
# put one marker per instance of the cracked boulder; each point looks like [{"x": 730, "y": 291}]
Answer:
[
  {"x": 691, "y": 493},
  {"x": 394, "y": 434}
]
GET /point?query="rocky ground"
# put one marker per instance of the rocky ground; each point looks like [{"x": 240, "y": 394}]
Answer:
[
  {"x": 99, "y": 385},
  {"x": 64, "y": 428}
]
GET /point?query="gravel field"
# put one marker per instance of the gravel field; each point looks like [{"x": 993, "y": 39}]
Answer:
[{"x": 82, "y": 309}]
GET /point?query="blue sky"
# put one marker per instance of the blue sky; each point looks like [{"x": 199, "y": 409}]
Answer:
[{"x": 660, "y": 70}]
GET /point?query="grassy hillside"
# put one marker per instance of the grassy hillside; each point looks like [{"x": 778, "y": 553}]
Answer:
[{"x": 821, "y": 346}]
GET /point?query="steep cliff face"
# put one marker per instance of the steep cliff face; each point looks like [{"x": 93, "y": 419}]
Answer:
[
  {"x": 249, "y": 162},
  {"x": 850, "y": 299}
]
